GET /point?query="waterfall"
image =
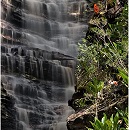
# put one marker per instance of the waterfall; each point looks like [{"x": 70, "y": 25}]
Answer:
[{"x": 38, "y": 59}]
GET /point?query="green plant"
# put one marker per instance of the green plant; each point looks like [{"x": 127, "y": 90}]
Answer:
[
  {"x": 113, "y": 123},
  {"x": 95, "y": 86},
  {"x": 124, "y": 115},
  {"x": 103, "y": 56},
  {"x": 105, "y": 46},
  {"x": 124, "y": 76},
  {"x": 88, "y": 67},
  {"x": 80, "y": 103}
]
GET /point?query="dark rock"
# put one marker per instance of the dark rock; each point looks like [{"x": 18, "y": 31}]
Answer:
[
  {"x": 77, "y": 95},
  {"x": 8, "y": 111},
  {"x": 113, "y": 12}
]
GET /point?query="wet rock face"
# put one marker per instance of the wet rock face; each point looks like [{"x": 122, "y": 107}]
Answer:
[
  {"x": 80, "y": 123},
  {"x": 38, "y": 61},
  {"x": 8, "y": 111}
]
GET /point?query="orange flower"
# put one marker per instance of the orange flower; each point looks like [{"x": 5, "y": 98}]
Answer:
[
  {"x": 96, "y": 8},
  {"x": 115, "y": 83}
]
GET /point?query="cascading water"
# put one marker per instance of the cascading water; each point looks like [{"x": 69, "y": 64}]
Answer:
[{"x": 39, "y": 48}]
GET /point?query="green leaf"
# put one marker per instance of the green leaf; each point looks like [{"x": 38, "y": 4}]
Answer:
[
  {"x": 83, "y": 40},
  {"x": 89, "y": 128},
  {"x": 124, "y": 75},
  {"x": 125, "y": 119},
  {"x": 111, "y": 118},
  {"x": 95, "y": 126},
  {"x": 116, "y": 118},
  {"x": 91, "y": 87},
  {"x": 109, "y": 123},
  {"x": 104, "y": 119},
  {"x": 112, "y": 121},
  {"x": 100, "y": 85},
  {"x": 99, "y": 124}
]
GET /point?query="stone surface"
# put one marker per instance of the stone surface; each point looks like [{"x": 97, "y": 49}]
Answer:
[
  {"x": 38, "y": 59},
  {"x": 8, "y": 111}
]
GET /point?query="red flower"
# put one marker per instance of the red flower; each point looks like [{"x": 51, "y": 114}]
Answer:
[
  {"x": 115, "y": 83},
  {"x": 96, "y": 8}
]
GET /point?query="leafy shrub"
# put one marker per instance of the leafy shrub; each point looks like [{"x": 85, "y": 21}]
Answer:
[
  {"x": 105, "y": 46},
  {"x": 117, "y": 122}
]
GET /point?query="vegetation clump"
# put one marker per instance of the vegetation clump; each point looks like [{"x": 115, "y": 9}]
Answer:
[
  {"x": 119, "y": 121},
  {"x": 102, "y": 71}
]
